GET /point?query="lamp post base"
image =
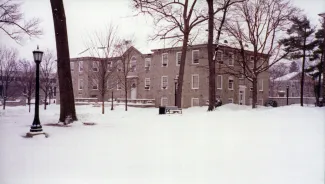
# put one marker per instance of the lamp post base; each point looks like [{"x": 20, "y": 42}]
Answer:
[
  {"x": 36, "y": 128},
  {"x": 32, "y": 134}
]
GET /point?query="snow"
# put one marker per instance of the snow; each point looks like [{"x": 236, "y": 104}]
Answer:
[
  {"x": 287, "y": 76},
  {"x": 232, "y": 145}
]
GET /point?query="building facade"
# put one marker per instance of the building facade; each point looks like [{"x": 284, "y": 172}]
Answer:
[{"x": 153, "y": 76}]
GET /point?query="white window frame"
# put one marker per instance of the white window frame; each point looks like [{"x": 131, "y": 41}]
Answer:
[
  {"x": 233, "y": 83},
  {"x": 178, "y": 58},
  {"x": 162, "y": 60},
  {"x": 94, "y": 81},
  {"x": 232, "y": 59},
  {"x": 220, "y": 80},
  {"x": 192, "y": 102},
  {"x": 79, "y": 82},
  {"x": 261, "y": 85},
  {"x": 231, "y": 99},
  {"x": 198, "y": 81},
  {"x": 94, "y": 63},
  {"x": 118, "y": 86},
  {"x": 162, "y": 99},
  {"x": 147, "y": 63},
  {"x": 72, "y": 66},
  {"x": 145, "y": 83},
  {"x": 198, "y": 58},
  {"x": 162, "y": 82},
  {"x": 81, "y": 66},
  {"x": 132, "y": 62}
]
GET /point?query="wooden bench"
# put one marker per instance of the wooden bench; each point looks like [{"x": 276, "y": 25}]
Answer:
[{"x": 173, "y": 109}]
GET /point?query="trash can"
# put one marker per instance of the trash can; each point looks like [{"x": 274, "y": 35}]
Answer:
[{"x": 162, "y": 110}]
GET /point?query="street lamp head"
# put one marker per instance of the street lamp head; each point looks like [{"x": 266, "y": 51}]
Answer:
[{"x": 37, "y": 55}]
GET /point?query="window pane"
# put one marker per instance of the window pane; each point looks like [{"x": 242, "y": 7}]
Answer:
[
  {"x": 178, "y": 57},
  {"x": 195, "y": 56}
]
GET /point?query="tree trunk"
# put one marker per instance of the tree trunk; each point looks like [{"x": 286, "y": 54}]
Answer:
[
  {"x": 302, "y": 82},
  {"x": 28, "y": 101},
  {"x": 181, "y": 69},
  {"x": 254, "y": 98},
  {"x": 112, "y": 105},
  {"x": 126, "y": 94},
  {"x": 103, "y": 104},
  {"x": 4, "y": 97},
  {"x": 212, "y": 70},
  {"x": 323, "y": 95},
  {"x": 45, "y": 100},
  {"x": 67, "y": 105},
  {"x": 4, "y": 103}
]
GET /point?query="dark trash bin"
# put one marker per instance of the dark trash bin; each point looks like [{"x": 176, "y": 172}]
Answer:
[{"x": 162, "y": 110}]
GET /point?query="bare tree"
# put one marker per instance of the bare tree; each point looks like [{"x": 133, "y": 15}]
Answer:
[
  {"x": 27, "y": 79},
  {"x": 124, "y": 67},
  {"x": 101, "y": 45},
  {"x": 67, "y": 105},
  {"x": 276, "y": 71},
  {"x": 47, "y": 68},
  {"x": 175, "y": 19},
  {"x": 8, "y": 72},
  {"x": 258, "y": 26},
  {"x": 12, "y": 21}
]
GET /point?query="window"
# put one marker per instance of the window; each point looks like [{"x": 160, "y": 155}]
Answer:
[
  {"x": 231, "y": 59},
  {"x": 81, "y": 84},
  {"x": 261, "y": 85},
  {"x": 195, "y": 102},
  {"x": 119, "y": 66},
  {"x": 242, "y": 75},
  {"x": 118, "y": 86},
  {"x": 164, "y": 82},
  {"x": 230, "y": 100},
  {"x": 147, "y": 64},
  {"x": 164, "y": 59},
  {"x": 133, "y": 64},
  {"x": 219, "y": 57},
  {"x": 81, "y": 66},
  {"x": 164, "y": 101},
  {"x": 147, "y": 84},
  {"x": 219, "y": 82},
  {"x": 95, "y": 84},
  {"x": 260, "y": 101},
  {"x": 95, "y": 66},
  {"x": 178, "y": 58},
  {"x": 230, "y": 83},
  {"x": 72, "y": 66},
  {"x": 195, "y": 81},
  {"x": 195, "y": 57}
]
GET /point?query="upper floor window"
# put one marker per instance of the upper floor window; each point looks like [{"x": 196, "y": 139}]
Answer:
[
  {"x": 219, "y": 57},
  {"x": 178, "y": 58},
  {"x": 95, "y": 66},
  {"x": 195, "y": 57},
  {"x": 230, "y": 83},
  {"x": 81, "y": 84},
  {"x": 81, "y": 66},
  {"x": 164, "y": 59},
  {"x": 195, "y": 81},
  {"x": 164, "y": 82},
  {"x": 147, "y": 83},
  {"x": 261, "y": 85},
  {"x": 94, "y": 84},
  {"x": 72, "y": 66},
  {"x": 147, "y": 63},
  {"x": 231, "y": 59},
  {"x": 133, "y": 64}
]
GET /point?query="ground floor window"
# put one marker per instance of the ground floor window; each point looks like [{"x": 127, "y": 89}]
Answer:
[
  {"x": 230, "y": 100},
  {"x": 195, "y": 102},
  {"x": 164, "y": 101}
]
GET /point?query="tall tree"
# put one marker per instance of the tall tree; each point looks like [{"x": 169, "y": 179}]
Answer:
[
  {"x": 8, "y": 72},
  {"x": 102, "y": 75},
  {"x": 299, "y": 44},
  {"x": 256, "y": 25},
  {"x": 13, "y": 24},
  {"x": 67, "y": 105},
  {"x": 47, "y": 70},
  {"x": 27, "y": 79},
  {"x": 175, "y": 19},
  {"x": 293, "y": 67}
]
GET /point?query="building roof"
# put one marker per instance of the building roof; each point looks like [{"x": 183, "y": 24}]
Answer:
[{"x": 287, "y": 76}]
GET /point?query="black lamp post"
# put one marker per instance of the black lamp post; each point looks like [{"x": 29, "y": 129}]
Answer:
[
  {"x": 287, "y": 94},
  {"x": 36, "y": 126},
  {"x": 175, "y": 81}
]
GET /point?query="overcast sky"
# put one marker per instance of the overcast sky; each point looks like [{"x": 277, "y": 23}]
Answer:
[{"x": 86, "y": 16}]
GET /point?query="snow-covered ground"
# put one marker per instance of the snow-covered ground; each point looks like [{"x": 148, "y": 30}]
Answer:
[{"x": 233, "y": 145}]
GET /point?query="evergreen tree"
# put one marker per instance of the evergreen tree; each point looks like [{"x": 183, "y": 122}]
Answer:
[
  {"x": 293, "y": 67},
  {"x": 299, "y": 44}
]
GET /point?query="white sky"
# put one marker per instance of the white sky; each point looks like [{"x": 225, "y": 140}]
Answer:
[{"x": 86, "y": 16}]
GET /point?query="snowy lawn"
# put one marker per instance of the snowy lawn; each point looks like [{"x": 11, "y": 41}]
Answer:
[{"x": 233, "y": 145}]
